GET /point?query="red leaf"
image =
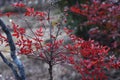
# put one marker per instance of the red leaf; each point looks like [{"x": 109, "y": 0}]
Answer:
[
  {"x": 16, "y": 35},
  {"x": 8, "y": 14},
  {"x": 71, "y": 59},
  {"x": 19, "y": 4},
  {"x": 21, "y": 31},
  {"x": 38, "y": 13},
  {"x": 29, "y": 11}
]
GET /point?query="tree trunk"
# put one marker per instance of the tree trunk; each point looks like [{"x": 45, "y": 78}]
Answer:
[{"x": 50, "y": 70}]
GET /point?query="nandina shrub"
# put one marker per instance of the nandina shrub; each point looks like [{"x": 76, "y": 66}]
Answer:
[
  {"x": 101, "y": 22},
  {"x": 88, "y": 57}
]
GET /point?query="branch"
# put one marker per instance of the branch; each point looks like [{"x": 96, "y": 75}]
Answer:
[
  {"x": 13, "y": 50},
  {"x": 10, "y": 65}
]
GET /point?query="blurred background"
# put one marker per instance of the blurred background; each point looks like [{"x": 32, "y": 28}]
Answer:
[{"x": 37, "y": 70}]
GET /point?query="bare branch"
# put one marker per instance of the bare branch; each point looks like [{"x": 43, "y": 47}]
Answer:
[{"x": 13, "y": 50}]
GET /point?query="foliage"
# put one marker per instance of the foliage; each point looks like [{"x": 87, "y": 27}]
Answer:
[
  {"x": 101, "y": 22},
  {"x": 89, "y": 58}
]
